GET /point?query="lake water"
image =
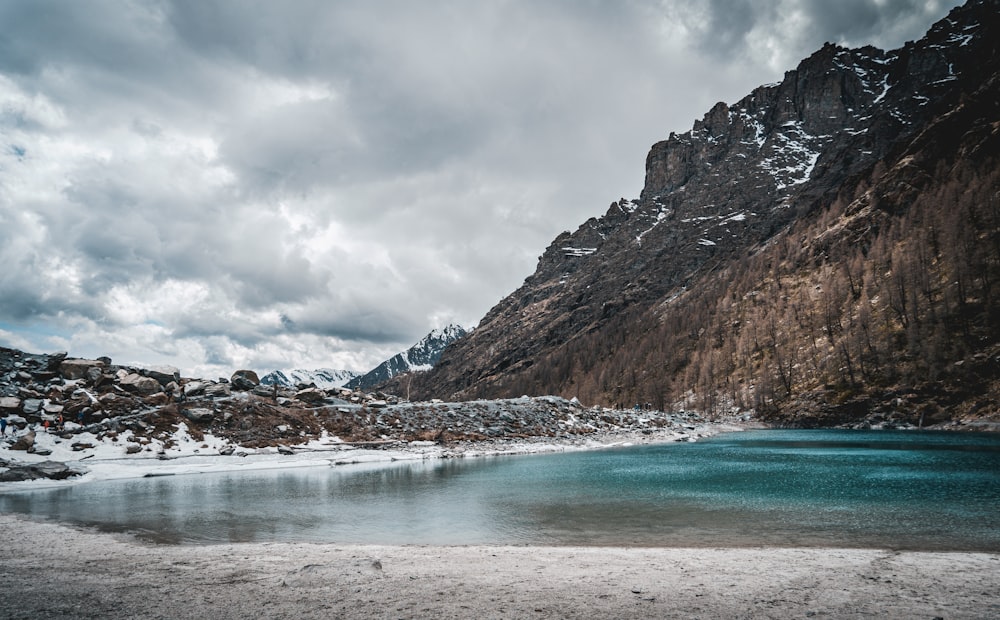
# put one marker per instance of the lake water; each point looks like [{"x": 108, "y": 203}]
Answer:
[{"x": 901, "y": 490}]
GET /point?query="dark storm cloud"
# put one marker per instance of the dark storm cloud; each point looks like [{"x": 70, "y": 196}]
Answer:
[{"x": 733, "y": 29}]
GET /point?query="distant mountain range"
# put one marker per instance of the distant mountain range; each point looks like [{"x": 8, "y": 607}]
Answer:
[
  {"x": 420, "y": 357},
  {"x": 323, "y": 378},
  {"x": 824, "y": 250}
]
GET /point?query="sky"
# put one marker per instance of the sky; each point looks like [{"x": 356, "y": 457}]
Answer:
[{"x": 217, "y": 185}]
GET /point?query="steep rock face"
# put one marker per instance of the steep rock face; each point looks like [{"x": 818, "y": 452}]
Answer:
[
  {"x": 715, "y": 197},
  {"x": 420, "y": 357}
]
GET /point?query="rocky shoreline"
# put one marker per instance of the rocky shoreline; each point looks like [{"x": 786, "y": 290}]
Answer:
[{"x": 61, "y": 411}]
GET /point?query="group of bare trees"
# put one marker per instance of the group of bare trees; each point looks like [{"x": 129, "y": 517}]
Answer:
[{"x": 878, "y": 292}]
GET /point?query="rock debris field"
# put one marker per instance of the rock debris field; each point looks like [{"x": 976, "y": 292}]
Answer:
[{"x": 60, "y": 411}]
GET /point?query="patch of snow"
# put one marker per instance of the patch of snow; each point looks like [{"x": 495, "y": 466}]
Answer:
[{"x": 578, "y": 252}]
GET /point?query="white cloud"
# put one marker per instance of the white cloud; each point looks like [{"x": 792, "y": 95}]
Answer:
[{"x": 319, "y": 184}]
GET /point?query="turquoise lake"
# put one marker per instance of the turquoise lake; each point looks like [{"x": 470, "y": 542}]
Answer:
[{"x": 885, "y": 489}]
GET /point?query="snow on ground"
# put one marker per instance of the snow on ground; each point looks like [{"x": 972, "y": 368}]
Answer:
[{"x": 107, "y": 459}]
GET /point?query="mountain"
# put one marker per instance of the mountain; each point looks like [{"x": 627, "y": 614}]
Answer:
[
  {"x": 323, "y": 378},
  {"x": 420, "y": 357},
  {"x": 826, "y": 249}
]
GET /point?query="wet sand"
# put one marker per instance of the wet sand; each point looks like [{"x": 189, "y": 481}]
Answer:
[{"x": 53, "y": 571}]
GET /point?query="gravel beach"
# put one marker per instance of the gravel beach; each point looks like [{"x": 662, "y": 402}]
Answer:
[{"x": 53, "y": 571}]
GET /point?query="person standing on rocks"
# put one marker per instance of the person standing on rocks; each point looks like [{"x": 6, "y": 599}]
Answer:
[{"x": 3, "y": 427}]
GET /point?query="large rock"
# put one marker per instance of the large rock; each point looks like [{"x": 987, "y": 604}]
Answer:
[
  {"x": 199, "y": 414},
  {"x": 9, "y": 405},
  {"x": 52, "y": 470},
  {"x": 138, "y": 384},
  {"x": 311, "y": 395},
  {"x": 25, "y": 442},
  {"x": 244, "y": 380},
  {"x": 54, "y": 360},
  {"x": 217, "y": 390},
  {"x": 77, "y": 368},
  {"x": 194, "y": 388},
  {"x": 163, "y": 374}
]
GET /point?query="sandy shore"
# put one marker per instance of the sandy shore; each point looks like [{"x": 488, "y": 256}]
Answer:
[{"x": 52, "y": 571}]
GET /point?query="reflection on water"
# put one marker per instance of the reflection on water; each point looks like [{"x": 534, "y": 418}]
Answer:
[{"x": 842, "y": 488}]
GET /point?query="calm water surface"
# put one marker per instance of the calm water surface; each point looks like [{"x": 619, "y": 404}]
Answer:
[{"x": 903, "y": 490}]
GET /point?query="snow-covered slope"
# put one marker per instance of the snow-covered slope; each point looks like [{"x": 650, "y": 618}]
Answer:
[
  {"x": 323, "y": 378},
  {"x": 420, "y": 357}
]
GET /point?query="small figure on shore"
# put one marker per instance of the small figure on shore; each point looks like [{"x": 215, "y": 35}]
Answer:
[{"x": 3, "y": 427}]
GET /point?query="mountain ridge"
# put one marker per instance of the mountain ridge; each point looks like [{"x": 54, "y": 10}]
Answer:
[
  {"x": 715, "y": 198},
  {"x": 420, "y": 357}
]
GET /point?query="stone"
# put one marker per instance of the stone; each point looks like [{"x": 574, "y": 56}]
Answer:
[
  {"x": 311, "y": 395},
  {"x": 285, "y": 450},
  {"x": 194, "y": 388},
  {"x": 31, "y": 405},
  {"x": 138, "y": 384},
  {"x": 25, "y": 442},
  {"x": 77, "y": 368},
  {"x": 244, "y": 380},
  {"x": 163, "y": 374},
  {"x": 132, "y": 448},
  {"x": 9, "y": 404},
  {"x": 55, "y": 360},
  {"x": 217, "y": 390},
  {"x": 81, "y": 445},
  {"x": 199, "y": 414},
  {"x": 94, "y": 375}
]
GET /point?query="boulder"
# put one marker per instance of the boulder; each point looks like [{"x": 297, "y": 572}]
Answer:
[
  {"x": 199, "y": 414},
  {"x": 244, "y": 380},
  {"x": 163, "y": 374},
  {"x": 143, "y": 386},
  {"x": 46, "y": 469},
  {"x": 77, "y": 368},
  {"x": 55, "y": 360},
  {"x": 194, "y": 388},
  {"x": 132, "y": 448},
  {"x": 25, "y": 442},
  {"x": 9, "y": 405},
  {"x": 94, "y": 375},
  {"x": 217, "y": 390},
  {"x": 311, "y": 395}
]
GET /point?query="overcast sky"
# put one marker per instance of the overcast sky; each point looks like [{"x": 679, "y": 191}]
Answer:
[{"x": 307, "y": 184}]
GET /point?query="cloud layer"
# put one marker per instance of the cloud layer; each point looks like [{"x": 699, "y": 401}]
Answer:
[{"x": 318, "y": 184}]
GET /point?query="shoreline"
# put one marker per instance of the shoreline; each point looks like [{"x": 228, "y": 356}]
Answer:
[
  {"x": 53, "y": 570},
  {"x": 106, "y": 462}
]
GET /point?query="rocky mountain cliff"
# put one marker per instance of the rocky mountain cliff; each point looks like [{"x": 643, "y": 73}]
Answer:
[
  {"x": 823, "y": 249},
  {"x": 420, "y": 357}
]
